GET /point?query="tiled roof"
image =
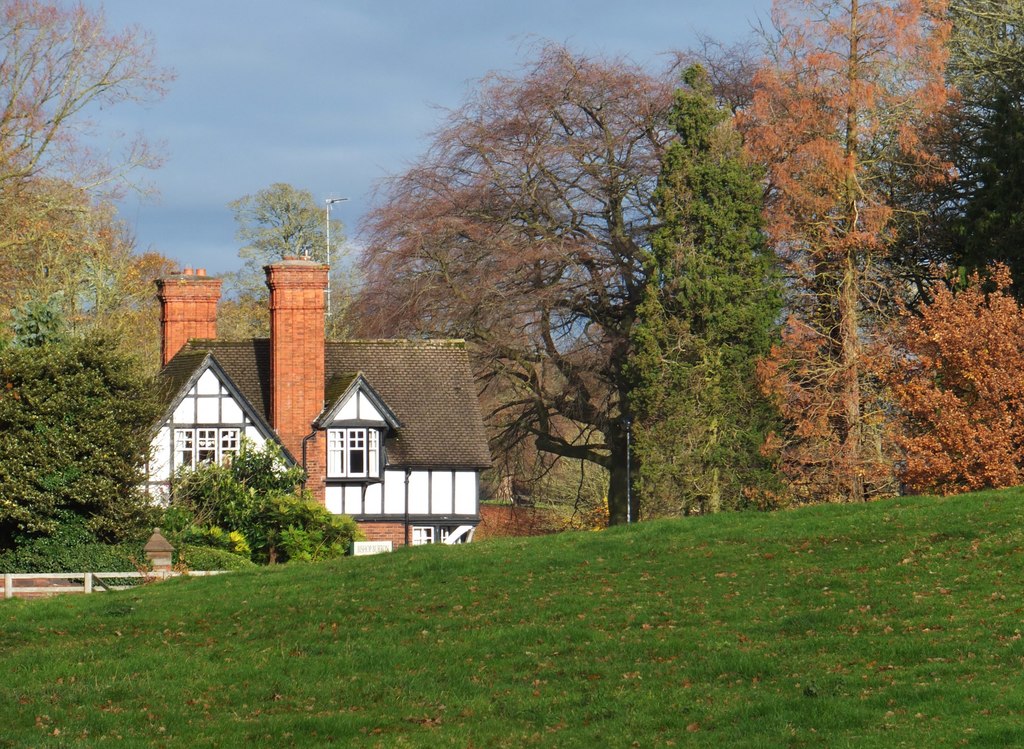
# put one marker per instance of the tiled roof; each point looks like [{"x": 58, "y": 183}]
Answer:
[
  {"x": 337, "y": 385},
  {"x": 427, "y": 384},
  {"x": 178, "y": 372}
]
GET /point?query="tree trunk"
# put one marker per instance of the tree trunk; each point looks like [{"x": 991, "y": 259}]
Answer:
[
  {"x": 850, "y": 462},
  {"x": 715, "y": 487},
  {"x": 622, "y": 506},
  {"x": 851, "y": 472}
]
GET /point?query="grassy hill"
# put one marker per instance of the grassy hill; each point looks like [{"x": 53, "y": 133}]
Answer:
[{"x": 892, "y": 624}]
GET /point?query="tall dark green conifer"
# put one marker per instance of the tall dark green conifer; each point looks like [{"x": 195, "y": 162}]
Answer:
[
  {"x": 987, "y": 67},
  {"x": 708, "y": 312}
]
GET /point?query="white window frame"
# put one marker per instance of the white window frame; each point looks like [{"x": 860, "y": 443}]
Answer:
[
  {"x": 355, "y": 453},
  {"x": 422, "y": 535},
  {"x": 196, "y": 445},
  {"x": 229, "y": 442},
  {"x": 335, "y": 452},
  {"x": 346, "y": 445}
]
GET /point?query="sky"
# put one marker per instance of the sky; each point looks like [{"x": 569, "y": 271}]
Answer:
[{"x": 333, "y": 96}]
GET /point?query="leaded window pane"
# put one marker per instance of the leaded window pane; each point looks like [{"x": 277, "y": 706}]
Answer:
[
  {"x": 184, "y": 446},
  {"x": 335, "y": 452},
  {"x": 192, "y": 446},
  {"x": 373, "y": 453},
  {"x": 356, "y": 452},
  {"x": 228, "y": 442},
  {"x": 353, "y": 453},
  {"x": 206, "y": 445}
]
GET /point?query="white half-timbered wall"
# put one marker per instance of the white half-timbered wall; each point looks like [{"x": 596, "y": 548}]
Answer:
[
  {"x": 430, "y": 493},
  {"x": 432, "y": 502},
  {"x": 358, "y": 407},
  {"x": 207, "y": 409}
]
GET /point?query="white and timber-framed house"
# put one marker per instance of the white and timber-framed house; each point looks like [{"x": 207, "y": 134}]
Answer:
[{"x": 388, "y": 431}]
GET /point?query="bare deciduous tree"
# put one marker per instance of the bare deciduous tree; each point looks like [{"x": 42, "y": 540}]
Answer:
[
  {"x": 59, "y": 66},
  {"x": 524, "y": 230},
  {"x": 56, "y": 64}
]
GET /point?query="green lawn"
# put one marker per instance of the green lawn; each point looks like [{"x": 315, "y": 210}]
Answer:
[{"x": 893, "y": 624}]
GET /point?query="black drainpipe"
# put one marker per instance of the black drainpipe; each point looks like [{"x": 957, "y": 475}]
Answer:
[
  {"x": 408, "y": 472},
  {"x": 305, "y": 440}
]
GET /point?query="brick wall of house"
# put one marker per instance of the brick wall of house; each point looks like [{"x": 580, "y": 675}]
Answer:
[
  {"x": 188, "y": 309},
  {"x": 297, "y": 308},
  {"x": 316, "y": 466},
  {"x": 393, "y": 532}
]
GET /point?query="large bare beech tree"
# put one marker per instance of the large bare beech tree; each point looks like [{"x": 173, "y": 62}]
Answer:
[{"x": 525, "y": 229}]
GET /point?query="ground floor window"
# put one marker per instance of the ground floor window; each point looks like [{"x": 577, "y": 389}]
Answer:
[
  {"x": 211, "y": 445},
  {"x": 422, "y": 534},
  {"x": 430, "y": 534}
]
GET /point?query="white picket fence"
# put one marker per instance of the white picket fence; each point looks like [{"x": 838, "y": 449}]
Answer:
[{"x": 82, "y": 582}]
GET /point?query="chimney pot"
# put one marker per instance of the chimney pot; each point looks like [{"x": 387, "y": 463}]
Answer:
[
  {"x": 188, "y": 270},
  {"x": 200, "y": 271}
]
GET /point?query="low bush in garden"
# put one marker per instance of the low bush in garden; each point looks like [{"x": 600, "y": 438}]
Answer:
[
  {"x": 206, "y": 558},
  {"x": 50, "y": 555},
  {"x": 253, "y": 507},
  {"x": 71, "y": 548}
]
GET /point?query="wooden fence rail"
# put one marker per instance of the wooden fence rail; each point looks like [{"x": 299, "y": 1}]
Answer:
[{"x": 52, "y": 583}]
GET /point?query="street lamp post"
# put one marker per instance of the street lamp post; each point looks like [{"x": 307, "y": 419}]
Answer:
[{"x": 330, "y": 202}]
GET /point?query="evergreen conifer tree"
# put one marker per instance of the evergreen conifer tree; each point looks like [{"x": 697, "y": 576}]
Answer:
[
  {"x": 709, "y": 310},
  {"x": 984, "y": 202}
]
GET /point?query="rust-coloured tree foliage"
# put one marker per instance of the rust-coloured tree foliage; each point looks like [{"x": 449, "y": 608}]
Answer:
[
  {"x": 960, "y": 390},
  {"x": 839, "y": 116}
]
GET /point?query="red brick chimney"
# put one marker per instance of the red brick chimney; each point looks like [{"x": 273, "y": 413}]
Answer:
[
  {"x": 296, "y": 347},
  {"x": 188, "y": 309}
]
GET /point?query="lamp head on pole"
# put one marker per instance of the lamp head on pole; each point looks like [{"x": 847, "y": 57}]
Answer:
[{"x": 330, "y": 202}]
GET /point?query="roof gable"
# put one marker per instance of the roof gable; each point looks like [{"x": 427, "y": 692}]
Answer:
[
  {"x": 430, "y": 388},
  {"x": 357, "y": 403},
  {"x": 183, "y": 373}
]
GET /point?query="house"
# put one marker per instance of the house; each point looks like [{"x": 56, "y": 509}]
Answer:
[{"x": 388, "y": 431}]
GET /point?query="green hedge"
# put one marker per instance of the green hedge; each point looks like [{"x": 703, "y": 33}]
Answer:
[
  {"x": 54, "y": 555},
  {"x": 206, "y": 558}
]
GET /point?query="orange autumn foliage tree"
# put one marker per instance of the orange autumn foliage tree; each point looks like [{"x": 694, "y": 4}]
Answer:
[
  {"x": 79, "y": 249},
  {"x": 841, "y": 116},
  {"x": 959, "y": 389}
]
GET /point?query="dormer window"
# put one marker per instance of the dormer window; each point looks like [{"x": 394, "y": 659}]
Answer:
[{"x": 353, "y": 453}]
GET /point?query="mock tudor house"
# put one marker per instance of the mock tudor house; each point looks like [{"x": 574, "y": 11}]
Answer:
[{"x": 388, "y": 431}]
